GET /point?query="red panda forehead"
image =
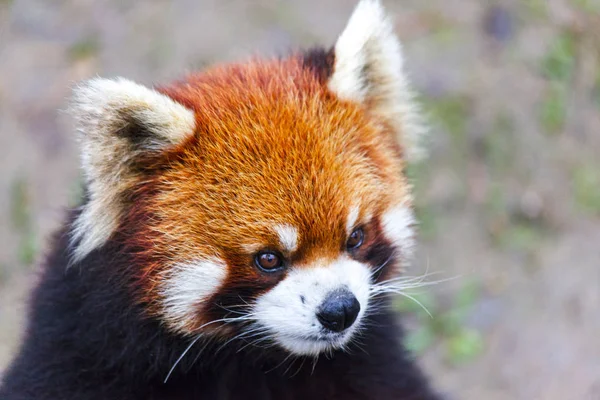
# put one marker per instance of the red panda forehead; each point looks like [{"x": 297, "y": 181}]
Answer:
[
  {"x": 268, "y": 111},
  {"x": 274, "y": 150}
]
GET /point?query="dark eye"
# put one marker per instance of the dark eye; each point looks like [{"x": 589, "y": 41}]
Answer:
[
  {"x": 268, "y": 261},
  {"x": 355, "y": 240}
]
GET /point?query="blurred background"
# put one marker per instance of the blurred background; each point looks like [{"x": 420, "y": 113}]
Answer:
[{"x": 508, "y": 201}]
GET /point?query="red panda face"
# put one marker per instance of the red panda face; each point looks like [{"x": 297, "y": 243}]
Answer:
[{"x": 262, "y": 200}]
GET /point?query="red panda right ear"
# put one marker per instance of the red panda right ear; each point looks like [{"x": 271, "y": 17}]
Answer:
[
  {"x": 368, "y": 69},
  {"x": 119, "y": 121}
]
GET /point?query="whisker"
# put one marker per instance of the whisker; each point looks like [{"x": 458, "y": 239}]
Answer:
[
  {"x": 255, "y": 343},
  {"x": 314, "y": 365},
  {"x": 181, "y": 356},
  {"x": 299, "y": 368},
  {"x": 379, "y": 268},
  {"x": 419, "y": 278},
  {"x": 199, "y": 352},
  {"x": 279, "y": 365},
  {"x": 416, "y": 301},
  {"x": 226, "y": 320},
  {"x": 289, "y": 366},
  {"x": 247, "y": 334}
]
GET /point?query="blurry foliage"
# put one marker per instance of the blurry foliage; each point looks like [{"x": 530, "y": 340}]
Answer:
[
  {"x": 20, "y": 211},
  {"x": 446, "y": 34},
  {"x": 426, "y": 218},
  {"x": 495, "y": 205},
  {"x": 557, "y": 67},
  {"x": 418, "y": 175},
  {"x": 537, "y": 8},
  {"x": 509, "y": 229},
  {"x": 442, "y": 29},
  {"x": 3, "y": 273},
  {"x": 452, "y": 113},
  {"x": 596, "y": 90},
  {"x": 586, "y": 186},
  {"x": 76, "y": 191},
  {"x": 445, "y": 324},
  {"x": 84, "y": 49},
  {"x": 499, "y": 146},
  {"x": 560, "y": 59},
  {"x": 465, "y": 345},
  {"x": 520, "y": 236},
  {"x": 553, "y": 111},
  {"x": 587, "y": 5}
]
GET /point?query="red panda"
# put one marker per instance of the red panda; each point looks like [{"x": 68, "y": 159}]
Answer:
[{"x": 239, "y": 234}]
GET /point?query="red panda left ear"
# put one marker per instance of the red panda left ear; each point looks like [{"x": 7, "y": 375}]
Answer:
[
  {"x": 120, "y": 123},
  {"x": 368, "y": 69}
]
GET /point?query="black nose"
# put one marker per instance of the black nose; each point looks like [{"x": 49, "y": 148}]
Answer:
[{"x": 339, "y": 310}]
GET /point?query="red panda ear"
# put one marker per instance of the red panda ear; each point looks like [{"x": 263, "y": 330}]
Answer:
[
  {"x": 368, "y": 69},
  {"x": 119, "y": 122}
]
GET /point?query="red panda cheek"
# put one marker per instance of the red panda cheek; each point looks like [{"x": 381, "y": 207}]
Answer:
[
  {"x": 187, "y": 287},
  {"x": 397, "y": 225}
]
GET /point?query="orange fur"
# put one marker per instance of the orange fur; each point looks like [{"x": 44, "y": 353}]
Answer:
[{"x": 273, "y": 146}]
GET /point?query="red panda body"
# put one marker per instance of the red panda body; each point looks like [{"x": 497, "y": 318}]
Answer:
[
  {"x": 240, "y": 232},
  {"x": 108, "y": 352}
]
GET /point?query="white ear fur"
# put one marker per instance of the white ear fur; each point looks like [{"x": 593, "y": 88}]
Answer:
[
  {"x": 118, "y": 121},
  {"x": 369, "y": 69}
]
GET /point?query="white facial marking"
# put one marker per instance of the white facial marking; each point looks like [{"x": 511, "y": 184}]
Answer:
[
  {"x": 369, "y": 66},
  {"x": 289, "y": 310},
  {"x": 397, "y": 225},
  {"x": 288, "y": 237},
  {"x": 187, "y": 286},
  {"x": 101, "y": 108},
  {"x": 352, "y": 218}
]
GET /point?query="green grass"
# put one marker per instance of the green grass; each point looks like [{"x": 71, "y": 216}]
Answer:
[
  {"x": 509, "y": 230},
  {"x": 418, "y": 176},
  {"x": 552, "y": 111},
  {"x": 444, "y": 324},
  {"x": 559, "y": 61},
  {"x": 76, "y": 191},
  {"x": 496, "y": 205},
  {"x": 465, "y": 346},
  {"x": 427, "y": 221},
  {"x": 499, "y": 145},
  {"x": 520, "y": 236},
  {"x": 446, "y": 34},
  {"x": 19, "y": 210},
  {"x": 586, "y": 188},
  {"x": 536, "y": 8},
  {"x": 587, "y": 6},
  {"x": 557, "y": 66},
  {"x": 452, "y": 113},
  {"x": 85, "y": 48},
  {"x": 3, "y": 274},
  {"x": 22, "y": 221},
  {"x": 442, "y": 29},
  {"x": 596, "y": 90}
]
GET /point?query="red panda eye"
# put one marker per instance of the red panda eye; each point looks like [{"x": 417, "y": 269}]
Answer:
[
  {"x": 268, "y": 261},
  {"x": 355, "y": 240}
]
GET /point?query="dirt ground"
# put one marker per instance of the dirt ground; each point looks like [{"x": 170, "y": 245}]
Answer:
[{"x": 509, "y": 199}]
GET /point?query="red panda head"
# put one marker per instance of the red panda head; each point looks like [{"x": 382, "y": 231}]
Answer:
[{"x": 265, "y": 198}]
